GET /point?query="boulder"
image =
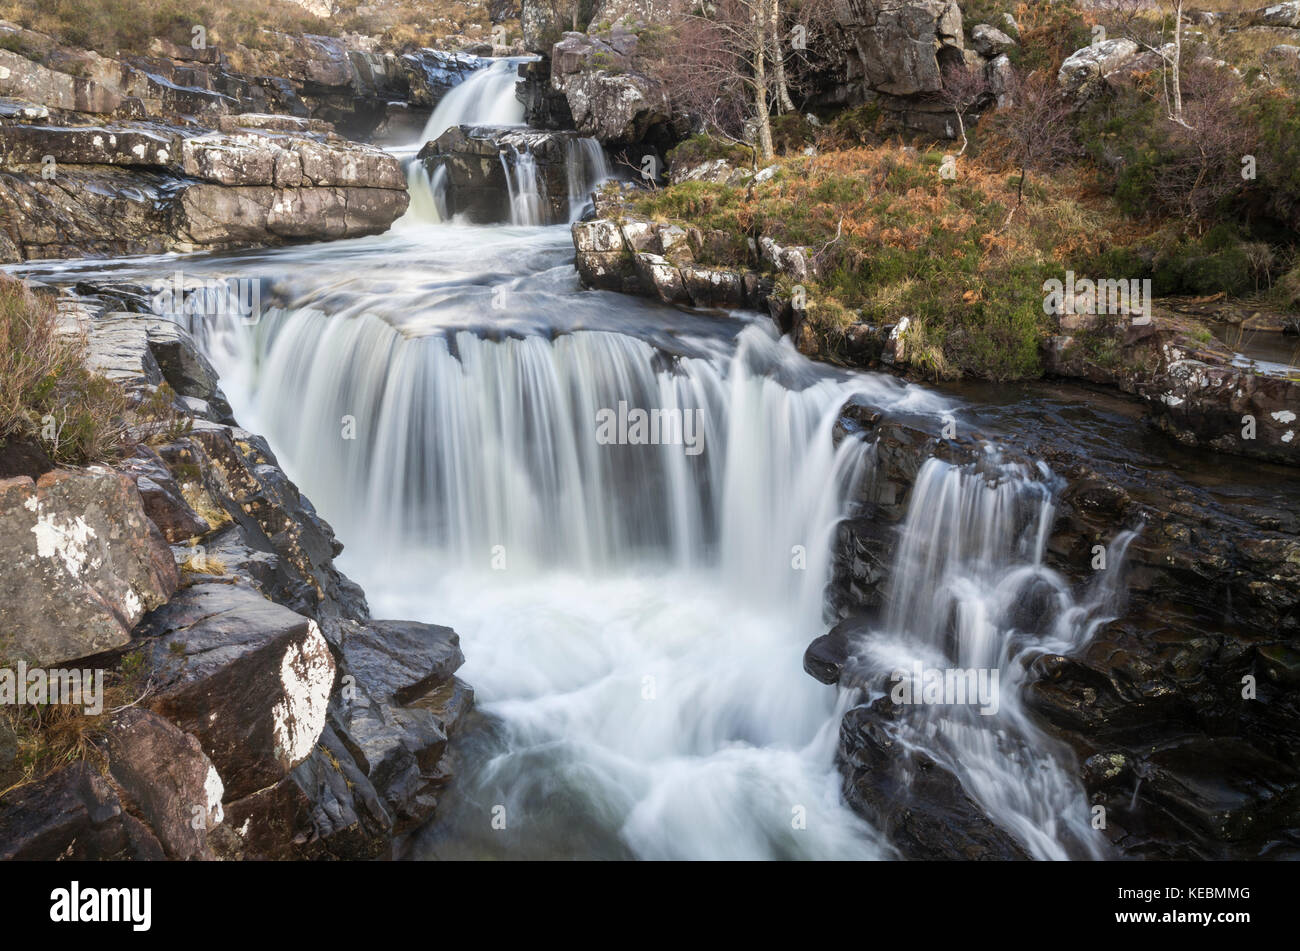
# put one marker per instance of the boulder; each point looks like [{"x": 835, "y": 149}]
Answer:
[
  {"x": 398, "y": 661},
  {"x": 917, "y": 803},
  {"x": 990, "y": 41},
  {"x": 249, "y": 678},
  {"x": 168, "y": 780},
  {"x": 1278, "y": 14},
  {"x": 607, "y": 98},
  {"x": 1085, "y": 66},
  {"x": 72, "y": 815},
  {"x": 82, "y": 563}
]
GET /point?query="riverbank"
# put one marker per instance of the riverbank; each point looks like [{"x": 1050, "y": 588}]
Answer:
[{"x": 249, "y": 706}]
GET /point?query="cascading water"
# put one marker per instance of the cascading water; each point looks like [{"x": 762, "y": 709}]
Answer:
[
  {"x": 588, "y": 169},
  {"x": 526, "y": 201},
  {"x": 970, "y": 592},
  {"x": 487, "y": 97},
  {"x": 633, "y": 612},
  {"x": 428, "y": 194}
]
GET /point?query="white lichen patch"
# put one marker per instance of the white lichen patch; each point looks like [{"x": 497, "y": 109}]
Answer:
[
  {"x": 1171, "y": 400},
  {"x": 214, "y": 789},
  {"x": 1288, "y": 435},
  {"x": 67, "y": 542},
  {"x": 1284, "y": 416},
  {"x": 306, "y": 674}
]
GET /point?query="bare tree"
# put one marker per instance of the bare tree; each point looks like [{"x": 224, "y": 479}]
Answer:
[
  {"x": 1132, "y": 19},
  {"x": 963, "y": 88},
  {"x": 1037, "y": 128}
]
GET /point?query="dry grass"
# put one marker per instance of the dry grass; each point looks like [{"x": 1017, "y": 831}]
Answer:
[
  {"x": 45, "y": 390},
  {"x": 51, "y": 736},
  {"x": 130, "y": 26}
]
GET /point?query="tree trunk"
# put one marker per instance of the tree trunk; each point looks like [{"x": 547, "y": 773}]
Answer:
[
  {"x": 1176, "y": 82},
  {"x": 761, "y": 111},
  {"x": 783, "y": 101}
]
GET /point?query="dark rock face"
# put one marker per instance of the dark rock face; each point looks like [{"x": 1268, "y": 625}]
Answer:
[
  {"x": 1192, "y": 389},
  {"x": 249, "y": 678},
  {"x": 1182, "y": 712},
  {"x": 285, "y": 718},
  {"x": 544, "y": 106},
  {"x": 165, "y": 774},
  {"x": 475, "y": 160},
  {"x": 72, "y": 814},
  {"x": 913, "y": 800}
]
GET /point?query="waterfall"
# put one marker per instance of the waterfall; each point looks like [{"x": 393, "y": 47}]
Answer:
[
  {"x": 527, "y": 204},
  {"x": 969, "y": 591},
  {"x": 485, "y": 98},
  {"x": 428, "y": 194},
  {"x": 588, "y": 167},
  {"x": 634, "y": 613}
]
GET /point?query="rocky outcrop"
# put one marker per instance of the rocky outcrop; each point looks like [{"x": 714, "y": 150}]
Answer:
[
  {"x": 136, "y": 187},
  {"x": 679, "y": 265},
  {"x": 1181, "y": 713},
  {"x": 1084, "y": 69},
  {"x": 608, "y": 99},
  {"x": 82, "y": 564},
  {"x": 273, "y": 718},
  {"x": 1190, "y": 384},
  {"x": 483, "y": 166}
]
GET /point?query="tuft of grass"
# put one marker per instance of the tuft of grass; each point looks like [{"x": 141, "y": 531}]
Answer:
[
  {"x": 50, "y": 736},
  {"x": 46, "y": 392}
]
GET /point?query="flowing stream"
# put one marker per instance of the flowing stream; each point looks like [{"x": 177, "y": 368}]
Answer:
[{"x": 633, "y": 613}]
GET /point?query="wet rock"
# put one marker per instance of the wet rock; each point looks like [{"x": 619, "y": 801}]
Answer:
[
  {"x": 249, "y": 678},
  {"x": 544, "y": 106},
  {"x": 828, "y": 656},
  {"x": 398, "y": 661},
  {"x": 72, "y": 814},
  {"x": 184, "y": 367},
  {"x": 168, "y": 780},
  {"x": 1223, "y": 788},
  {"x": 431, "y": 74},
  {"x": 1192, "y": 389},
  {"x": 474, "y": 159},
  {"x": 914, "y": 801},
  {"x": 80, "y": 563}
]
